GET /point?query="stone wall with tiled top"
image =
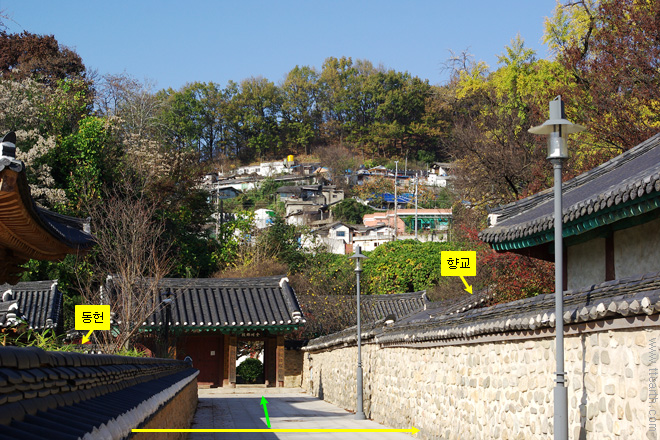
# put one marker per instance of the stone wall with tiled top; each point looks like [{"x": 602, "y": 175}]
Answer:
[
  {"x": 501, "y": 389},
  {"x": 45, "y": 393}
]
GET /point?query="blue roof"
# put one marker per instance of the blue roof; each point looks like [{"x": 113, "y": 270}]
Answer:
[{"x": 401, "y": 198}]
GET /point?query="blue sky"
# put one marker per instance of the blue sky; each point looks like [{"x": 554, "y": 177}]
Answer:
[{"x": 176, "y": 42}]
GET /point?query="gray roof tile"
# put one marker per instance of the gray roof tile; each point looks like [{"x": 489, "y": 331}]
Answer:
[
  {"x": 627, "y": 177},
  {"x": 228, "y": 303},
  {"x": 39, "y": 302},
  {"x": 633, "y": 296}
]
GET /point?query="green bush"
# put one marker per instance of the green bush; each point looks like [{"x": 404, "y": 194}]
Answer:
[
  {"x": 405, "y": 266},
  {"x": 250, "y": 369}
]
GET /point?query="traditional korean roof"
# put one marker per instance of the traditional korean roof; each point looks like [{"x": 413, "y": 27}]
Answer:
[
  {"x": 375, "y": 311},
  {"x": 622, "y": 188},
  {"x": 58, "y": 395},
  {"x": 378, "y": 307},
  {"x": 228, "y": 305},
  {"x": 26, "y": 230},
  {"x": 632, "y": 297},
  {"x": 39, "y": 303}
]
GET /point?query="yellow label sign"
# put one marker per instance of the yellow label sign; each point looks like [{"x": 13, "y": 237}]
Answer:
[
  {"x": 93, "y": 317},
  {"x": 459, "y": 264}
]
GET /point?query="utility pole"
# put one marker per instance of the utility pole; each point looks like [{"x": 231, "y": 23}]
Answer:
[
  {"x": 396, "y": 201},
  {"x": 416, "y": 192},
  {"x": 217, "y": 212}
]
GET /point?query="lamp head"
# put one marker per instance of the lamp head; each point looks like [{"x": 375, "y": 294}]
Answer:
[
  {"x": 358, "y": 259},
  {"x": 558, "y": 128}
]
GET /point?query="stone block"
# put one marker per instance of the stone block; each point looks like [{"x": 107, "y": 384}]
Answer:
[{"x": 605, "y": 357}]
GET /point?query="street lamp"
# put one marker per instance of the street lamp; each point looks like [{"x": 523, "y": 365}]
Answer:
[
  {"x": 167, "y": 300},
  {"x": 558, "y": 128},
  {"x": 359, "y": 410}
]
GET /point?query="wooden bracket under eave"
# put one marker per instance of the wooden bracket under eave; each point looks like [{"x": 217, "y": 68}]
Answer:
[{"x": 8, "y": 181}]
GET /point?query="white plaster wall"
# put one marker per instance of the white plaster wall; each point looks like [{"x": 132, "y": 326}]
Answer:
[
  {"x": 637, "y": 249},
  {"x": 586, "y": 263},
  {"x": 500, "y": 390}
]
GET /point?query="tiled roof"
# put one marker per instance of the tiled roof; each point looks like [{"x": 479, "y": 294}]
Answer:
[
  {"x": 375, "y": 310},
  {"x": 52, "y": 395},
  {"x": 625, "y": 186},
  {"x": 625, "y": 297},
  {"x": 38, "y": 302},
  {"x": 229, "y": 304},
  {"x": 377, "y": 307}
]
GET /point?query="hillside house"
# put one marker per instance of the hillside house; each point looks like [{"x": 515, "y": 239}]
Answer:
[
  {"x": 309, "y": 205},
  {"x": 340, "y": 237},
  {"x": 440, "y": 175},
  {"x": 431, "y": 222}
]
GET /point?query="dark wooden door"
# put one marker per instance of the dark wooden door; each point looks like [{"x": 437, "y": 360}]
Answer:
[{"x": 206, "y": 353}]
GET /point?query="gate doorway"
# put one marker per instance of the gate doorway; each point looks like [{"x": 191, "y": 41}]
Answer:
[
  {"x": 249, "y": 350},
  {"x": 206, "y": 352}
]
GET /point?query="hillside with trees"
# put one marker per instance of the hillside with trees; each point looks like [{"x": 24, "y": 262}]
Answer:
[{"x": 91, "y": 142}]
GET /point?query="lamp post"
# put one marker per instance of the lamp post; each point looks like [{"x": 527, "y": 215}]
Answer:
[
  {"x": 167, "y": 301},
  {"x": 558, "y": 128},
  {"x": 416, "y": 196},
  {"x": 396, "y": 201},
  {"x": 359, "y": 410}
]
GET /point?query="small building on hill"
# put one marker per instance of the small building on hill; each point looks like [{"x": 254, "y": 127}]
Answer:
[
  {"x": 207, "y": 319},
  {"x": 429, "y": 221},
  {"x": 340, "y": 237},
  {"x": 309, "y": 205},
  {"x": 440, "y": 174}
]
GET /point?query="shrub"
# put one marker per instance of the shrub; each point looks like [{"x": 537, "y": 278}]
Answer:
[{"x": 250, "y": 369}]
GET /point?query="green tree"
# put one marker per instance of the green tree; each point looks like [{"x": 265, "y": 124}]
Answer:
[
  {"x": 350, "y": 211},
  {"x": 300, "y": 111},
  {"x": 258, "y": 105},
  {"x": 404, "y": 266},
  {"x": 86, "y": 161}
]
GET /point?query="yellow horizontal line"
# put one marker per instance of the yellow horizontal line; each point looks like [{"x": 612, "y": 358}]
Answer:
[{"x": 409, "y": 430}]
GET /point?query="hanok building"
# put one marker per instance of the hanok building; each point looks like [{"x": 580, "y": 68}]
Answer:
[
  {"x": 28, "y": 231},
  {"x": 36, "y": 304},
  {"x": 206, "y": 319},
  {"x": 611, "y": 220}
]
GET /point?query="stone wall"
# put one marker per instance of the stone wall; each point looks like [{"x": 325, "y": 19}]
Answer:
[
  {"x": 178, "y": 413},
  {"x": 293, "y": 364},
  {"x": 501, "y": 389}
]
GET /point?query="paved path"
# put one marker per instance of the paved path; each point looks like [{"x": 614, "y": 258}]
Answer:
[{"x": 287, "y": 408}]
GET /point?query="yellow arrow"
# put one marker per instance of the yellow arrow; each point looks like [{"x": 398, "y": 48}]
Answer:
[
  {"x": 412, "y": 430},
  {"x": 86, "y": 337},
  {"x": 467, "y": 286}
]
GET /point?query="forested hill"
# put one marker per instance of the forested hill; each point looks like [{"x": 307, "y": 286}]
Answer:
[
  {"x": 92, "y": 142},
  {"x": 604, "y": 64}
]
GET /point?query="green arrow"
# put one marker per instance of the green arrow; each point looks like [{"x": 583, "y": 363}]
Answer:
[{"x": 264, "y": 402}]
